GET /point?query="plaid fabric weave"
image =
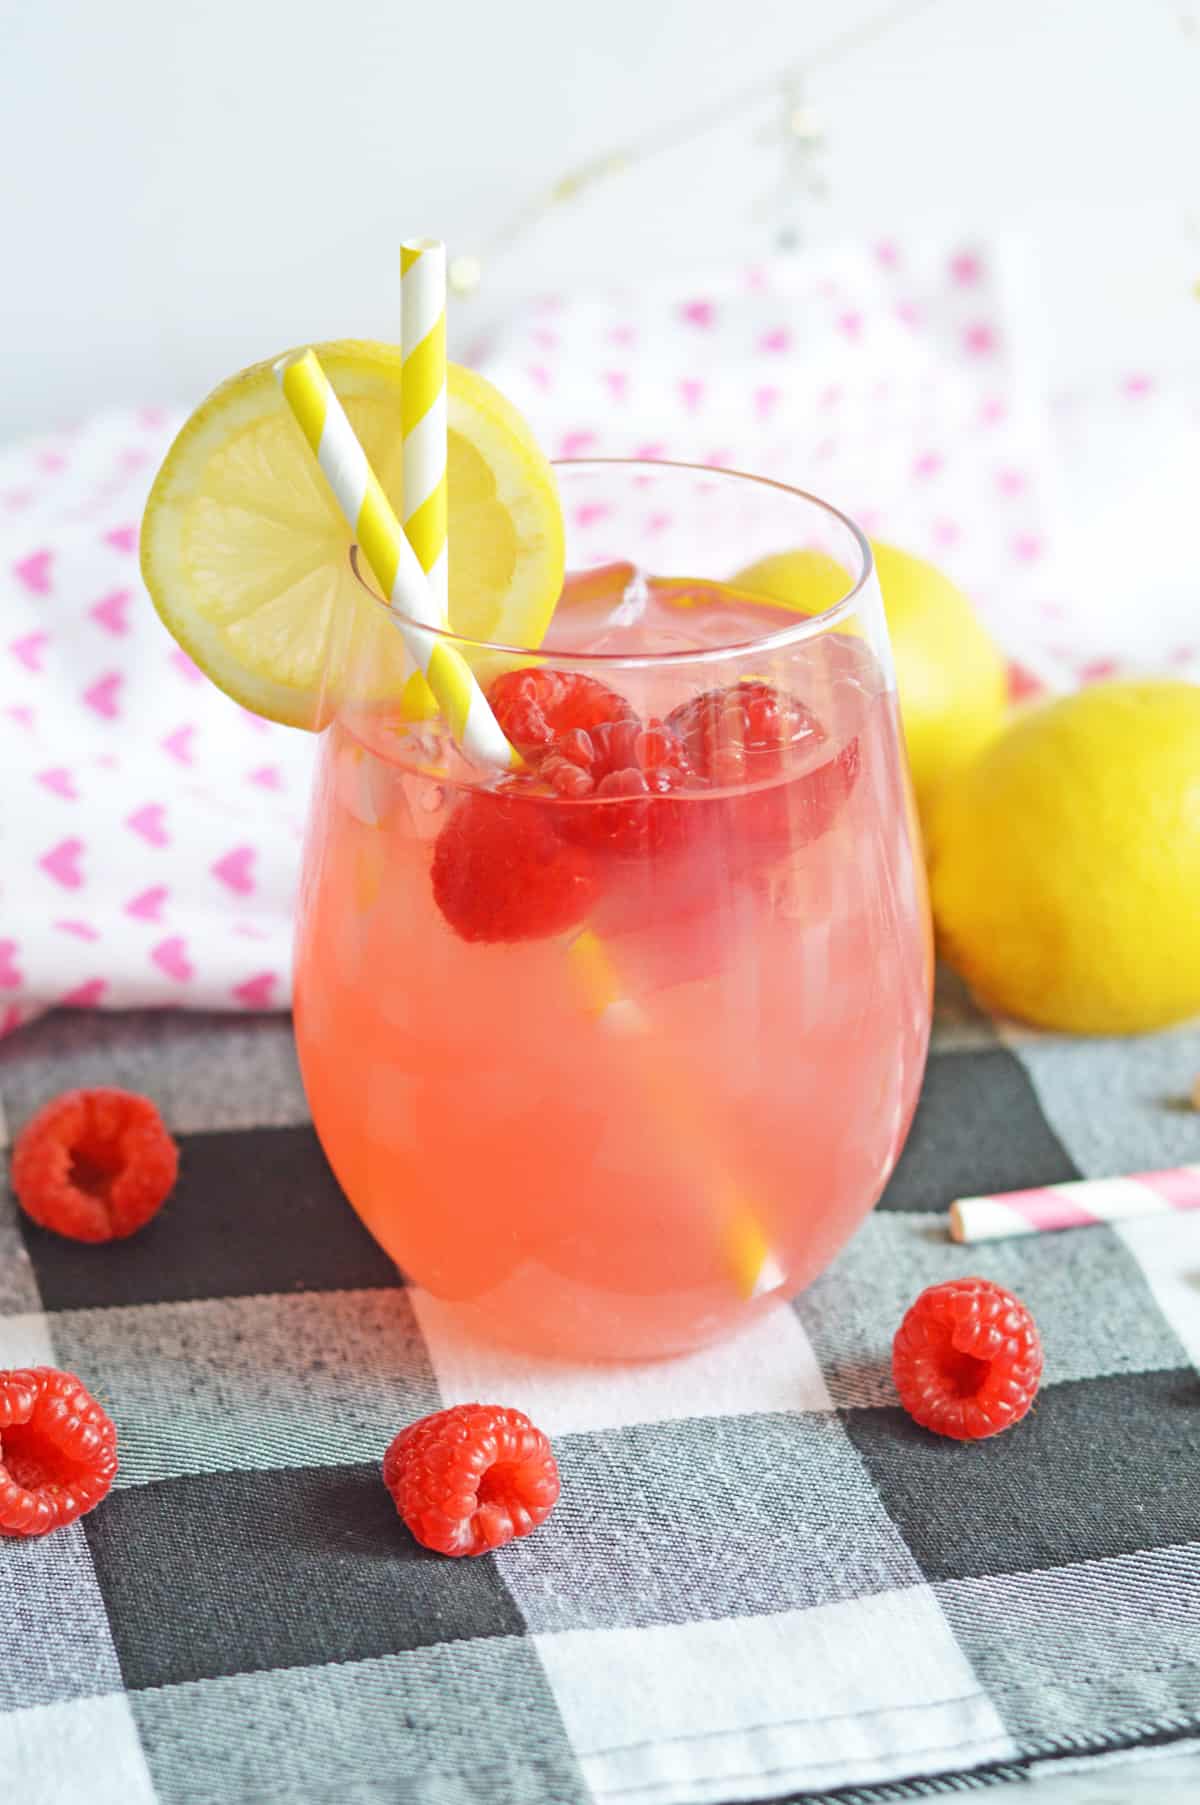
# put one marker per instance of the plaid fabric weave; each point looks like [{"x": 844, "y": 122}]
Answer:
[{"x": 762, "y": 1582}]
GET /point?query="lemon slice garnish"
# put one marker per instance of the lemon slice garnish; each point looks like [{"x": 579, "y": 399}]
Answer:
[{"x": 246, "y": 555}]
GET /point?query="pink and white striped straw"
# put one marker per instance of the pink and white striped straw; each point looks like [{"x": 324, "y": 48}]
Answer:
[{"x": 1082, "y": 1204}]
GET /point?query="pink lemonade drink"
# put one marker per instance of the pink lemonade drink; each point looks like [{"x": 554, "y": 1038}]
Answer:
[{"x": 618, "y": 1050}]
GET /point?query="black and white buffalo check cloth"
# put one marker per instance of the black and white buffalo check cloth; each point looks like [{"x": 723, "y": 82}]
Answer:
[{"x": 762, "y": 1581}]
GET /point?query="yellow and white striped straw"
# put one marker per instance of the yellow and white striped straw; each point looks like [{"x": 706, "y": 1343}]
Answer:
[
  {"x": 423, "y": 406},
  {"x": 371, "y": 519}
]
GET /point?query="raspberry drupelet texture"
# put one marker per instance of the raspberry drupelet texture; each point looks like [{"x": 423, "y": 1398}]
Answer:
[
  {"x": 536, "y": 706},
  {"x": 470, "y": 1479},
  {"x": 58, "y": 1451},
  {"x": 745, "y": 731},
  {"x": 94, "y": 1165},
  {"x": 588, "y": 744},
  {"x": 501, "y": 872},
  {"x": 615, "y": 758},
  {"x": 625, "y": 771},
  {"x": 751, "y": 734},
  {"x": 967, "y": 1359}
]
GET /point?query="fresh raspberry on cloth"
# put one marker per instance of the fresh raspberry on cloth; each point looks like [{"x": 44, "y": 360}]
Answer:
[
  {"x": 94, "y": 1165},
  {"x": 470, "y": 1479},
  {"x": 58, "y": 1451},
  {"x": 967, "y": 1359}
]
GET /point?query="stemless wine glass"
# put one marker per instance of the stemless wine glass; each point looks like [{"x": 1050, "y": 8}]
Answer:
[{"x": 614, "y": 1070}]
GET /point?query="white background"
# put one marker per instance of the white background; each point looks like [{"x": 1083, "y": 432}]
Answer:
[{"x": 193, "y": 186}]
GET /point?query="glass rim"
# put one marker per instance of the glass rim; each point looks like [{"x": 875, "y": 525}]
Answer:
[{"x": 800, "y": 628}]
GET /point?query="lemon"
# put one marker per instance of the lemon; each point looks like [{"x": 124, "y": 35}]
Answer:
[
  {"x": 806, "y": 582},
  {"x": 246, "y": 555},
  {"x": 951, "y": 677},
  {"x": 1065, "y": 862}
]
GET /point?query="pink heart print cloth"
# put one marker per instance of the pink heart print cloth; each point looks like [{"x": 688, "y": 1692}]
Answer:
[{"x": 151, "y": 829}]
